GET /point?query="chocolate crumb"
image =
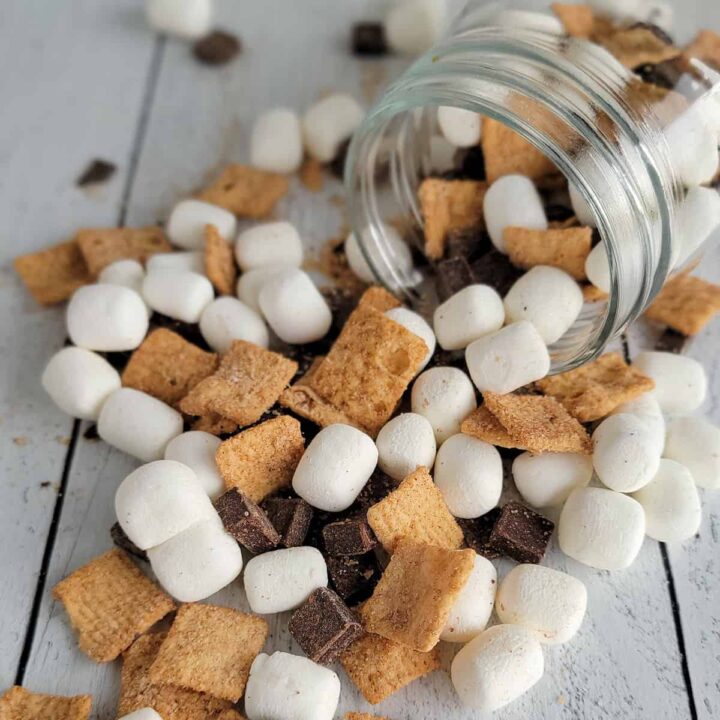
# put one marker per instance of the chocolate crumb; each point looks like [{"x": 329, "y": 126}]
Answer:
[
  {"x": 125, "y": 543},
  {"x": 98, "y": 171},
  {"x": 521, "y": 534},
  {"x": 368, "y": 39},
  {"x": 290, "y": 517},
  {"x": 246, "y": 522},
  {"x": 351, "y": 536},
  {"x": 217, "y": 48}
]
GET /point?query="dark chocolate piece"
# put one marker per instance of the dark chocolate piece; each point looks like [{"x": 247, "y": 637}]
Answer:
[
  {"x": 665, "y": 74},
  {"x": 246, "y": 522},
  {"x": 671, "y": 341},
  {"x": 472, "y": 163},
  {"x": 97, "y": 171},
  {"x": 92, "y": 432},
  {"x": 368, "y": 39},
  {"x": 477, "y": 533},
  {"x": 521, "y": 534},
  {"x": 290, "y": 517},
  {"x": 217, "y": 48},
  {"x": 376, "y": 488},
  {"x": 125, "y": 543},
  {"x": 558, "y": 213},
  {"x": 496, "y": 270},
  {"x": 118, "y": 359},
  {"x": 337, "y": 164},
  {"x": 188, "y": 331},
  {"x": 341, "y": 303},
  {"x": 354, "y": 577},
  {"x": 351, "y": 536},
  {"x": 452, "y": 276},
  {"x": 324, "y": 626},
  {"x": 468, "y": 244},
  {"x": 448, "y": 358}
]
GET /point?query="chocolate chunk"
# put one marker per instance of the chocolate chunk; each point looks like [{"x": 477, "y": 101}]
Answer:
[
  {"x": 496, "y": 270},
  {"x": 337, "y": 164},
  {"x": 118, "y": 359},
  {"x": 188, "y": 331},
  {"x": 469, "y": 244},
  {"x": 354, "y": 577},
  {"x": 98, "y": 171},
  {"x": 368, "y": 39},
  {"x": 290, "y": 517},
  {"x": 125, "y": 543},
  {"x": 448, "y": 358},
  {"x": 217, "y": 48},
  {"x": 324, "y": 626},
  {"x": 521, "y": 534},
  {"x": 92, "y": 432},
  {"x": 665, "y": 74},
  {"x": 246, "y": 522},
  {"x": 671, "y": 341},
  {"x": 471, "y": 163},
  {"x": 558, "y": 213},
  {"x": 376, "y": 488},
  {"x": 477, "y": 533},
  {"x": 452, "y": 276},
  {"x": 341, "y": 302},
  {"x": 351, "y": 536}
]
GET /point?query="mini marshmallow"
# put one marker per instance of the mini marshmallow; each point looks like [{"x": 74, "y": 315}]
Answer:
[
  {"x": 548, "y": 297},
  {"x": 179, "y": 294},
  {"x": 695, "y": 443},
  {"x": 404, "y": 444},
  {"x": 445, "y": 396},
  {"x": 142, "y": 714},
  {"x": 188, "y": 260},
  {"x": 413, "y": 26},
  {"x": 597, "y": 268},
  {"x": 647, "y": 408},
  {"x": 416, "y": 324},
  {"x": 601, "y": 528},
  {"x": 467, "y": 315},
  {"x": 250, "y": 283},
  {"x": 548, "y": 603},
  {"x": 508, "y": 359},
  {"x": 283, "y": 579},
  {"x": 512, "y": 200},
  {"x": 625, "y": 453},
  {"x": 226, "y": 319},
  {"x": 328, "y": 123},
  {"x": 198, "y": 562},
  {"x": 460, "y": 127},
  {"x": 197, "y": 450},
  {"x": 190, "y": 19},
  {"x": 530, "y": 21},
  {"x": 276, "y": 141},
  {"x": 671, "y": 503},
  {"x": 546, "y": 480},
  {"x": 270, "y": 243},
  {"x": 79, "y": 382},
  {"x": 294, "y": 308},
  {"x": 138, "y": 424},
  {"x": 581, "y": 208},
  {"x": 159, "y": 500},
  {"x": 394, "y": 245},
  {"x": 697, "y": 218},
  {"x": 469, "y": 474},
  {"x": 106, "y": 317},
  {"x": 128, "y": 273},
  {"x": 188, "y": 219},
  {"x": 693, "y": 147},
  {"x": 335, "y": 467},
  {"x": 288, "y": 687},
  {"x": 680, "y": 381},
  {"x": 496, "y": 667},
  {"x": 474, "y": 605}
]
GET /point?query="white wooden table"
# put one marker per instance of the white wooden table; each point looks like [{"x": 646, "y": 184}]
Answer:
[{"x": 86, "y": 78}]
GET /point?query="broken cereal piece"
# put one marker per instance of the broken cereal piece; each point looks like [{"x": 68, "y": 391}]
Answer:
[
  {"x": 17, "y": 703},
  {"x": 638, "y": 45},
  {"x": 110, "y": 602},
  {"x": 167, "y": 366},
  {"x": 246, "y": 522},
  {"x": 209, "y": 649},
  {"x": 379, "y": 667},
  {"x": 53, "y": 275},
  {"x": 413, "y": 599},
  {"x": 521, "y": 534},
  {"x": 219, "y": 262},
  {"x": 592, "y": 293},
  {"x": 102, "y": 246},
  {"x": 351, "y": 536},
  {"x": 686, "y": 304},
  {"x": 246, "y": 191},
  {"x": 291, "y": 518},
  {"x": 705, "y": 46},
  {"x": 246, "y": 384},
  {"x": 483, "y": 425},
  {"x": 577, "y": 18},
  {"x": 261, "y": 460}
]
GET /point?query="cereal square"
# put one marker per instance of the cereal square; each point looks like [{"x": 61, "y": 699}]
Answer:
[
  {"x": 362, "y": 716},
  {"x": 262, "y": 460},
  {"x": 378, "y": 298},
  {"x": 594, "y": 390},
  {"x": 483, "y": 425},
  {"x": 593, "y": 294},
  {"x": 248, "y": 382},
  {"x": 416, "y": 509},
  {"x": 686, "y": 304},
  {"x": 219, "y": 262},
  {"x": 246, "y": 191},
  {"x": 17, "y": 703},
  {"x": 577, "y": 18},
  {"x": 379, "y": 667},
  {"x": 54, "y": 274},
  {"x": 638, "y": 45},
  {"x": 413, "y": 599},
  {"x": 167, "y": 366},
  {"x": 209, "y": 649},
  {"x": 705, "y": 46},
  {"x": 110, "y": 602},
  {"x": 215, "y": 424}
]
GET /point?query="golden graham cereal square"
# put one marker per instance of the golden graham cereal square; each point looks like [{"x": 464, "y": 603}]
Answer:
[
  {"x": 686, "y": 304},
  {"x": 102, "y": 246},
  {"x": 219, "y": 262},
  {"x": 17, "y": 703}
]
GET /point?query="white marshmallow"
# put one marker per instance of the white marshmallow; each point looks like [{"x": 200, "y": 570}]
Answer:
[
  {"x": 530, "y": 21},
  {"x": 695, "y": 443},
  {"x": 197, "y": 450},
  {"x": 159, "y": 500},
  {"x": 107, "y": 318},
  {"x": 79, "y": 381},
  {"x": 469, "y": 474},
  {"x": 512, "y": 200},
  {"x": 417, "y": 325},
  {"x": 138, "y": 424},
  {"x": 250, "y": 283},
  {"x": 548, "y": 603},
  {"x": 474, "y": 605},
  {"x": 469, "y": 314},
  {"x": 187, "y": 221},
  {"x": 179, "y": 294},
  {"x": 271, "y": 243},
  {"x": 445, "y": 396},
  {"x": 288, "y": 687},
  {"x": 226, "y": 319},
  {"x": 283, "y": 579},
  {"x": 128, "y": 273},
  {"x": 460, "y": 127},
  {"x": 693, "y": 147},
  {"x": 188, "y": 260},
  {"x": 597, "y": 268},
  {"x": 508, "y": 359},
  {"x": 190, "y": 19},
  {"x": 496, "y": 667},
  {"x": 548, "y": 297},
  {"x": 142, "y": 714},
  {"x": 697, "y": 219},
  {"x": 625, "y": 453},
  {"x": 581, "y": 208},
  {"x": 671, "y": 503},
  {"x": 680, "y": 381},
  {"x": 396, "y": 247},
  {"x": 413, "y": 26},
  {"x": 294, "y": 308},
  {"x": 276, "y": 141},
  {"x": 198, "y": 562},
  {"x": 404, "y": 444},
  {"x": 647, "y": 408},
  {"x": 546, "y": 480},
  {"x": 335, "y": 467},
  {"x": 328, "y": 123},
  {"x": 601, "y": 528}
]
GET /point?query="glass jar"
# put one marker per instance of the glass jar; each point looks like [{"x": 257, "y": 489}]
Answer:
[{"x": 605, "y": 130}]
